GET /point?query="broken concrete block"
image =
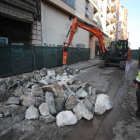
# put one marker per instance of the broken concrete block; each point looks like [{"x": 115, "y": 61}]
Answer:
[
  {"x": 81, "y": 93},
  {"x": 68, "y": 80},
  {"x": 43, "y": 82},
  {"x": 58, "y": 77},
  {"x": 18, "y": 91},
  {"x": 92, "y": 99},
  {"x": 31, "y": 113},
  {"x": 59, "y": 92},
  {"x": 43, "y": 72},
  {"x": 1, "y": 115},
  {"x": 33, "y": 80},
  {"x": 29, "y": 85},
  {"x": 39, "y": 101},
  {"x": 3, "y": 87},
  {"x": 48, "y": 88},
  {"x": 19, "y": 113},
  {"x": 2, "y": 81},
  {"x": 84, "y": 109},
  {"x": 51, "y": 73},
  {"x": 28, "y": 99},
  {"x": 4, "y": 95},
  {"x": 44, "y": 110},
  {"x": 93, "y": 91},
  {"x": 87, "y": 88},
  {"x": 25, "y": 77},
  {"x": 71, "y": 102},
  {"x": 103, "y": 103},
  {"x": 37, "y": 76},
  {"x": 7, "y": 110},
  {"x": 37, "y": 91},
  {"x": 50, "y": 101},
  {"x": 13, "y": 100},
  {"x": 62, "y": 83},
  {"x": 59, "y": 104},
  {"x": 65, "y": 118},
  {"x": 47, "y": 119}
]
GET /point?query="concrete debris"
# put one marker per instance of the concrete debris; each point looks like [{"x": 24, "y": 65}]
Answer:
[
  {"x": 43, "y": 82},
  {"x": 39, "y": 101},
  {"x": 19, "y": 113},
  {"x": 31, "y": 113},
  {"x": 48, "y": 92},
  {"x": 50, "y": 101},
  {"x": 13, "y": 100},
  {"x": 28, "y": 99},
  {"x": 7, "y": 110},
  {"x": 65, "y": 118},
  {"x": 59, "y": 104},
  {"x": 43, "y": 72},
  {"x": 103, "y": 103},
  {"x": 37, "y": 77},
  {"x": 37, "y": 91},
  {"x": 29, "y": 85},
  {"x": 44, "y": 110},
  {"x": 71, "y": 102},
  {"x": 84, "y": 109},
  {"x": 81, "y": 93},
  {"x": 51, "y": 73},
  {"x": 58, "y": 77},
  {"x": 3, "y": 87},
  {"x": 59, "y": 92},
  {"x": 47, "y": 119},
  {"x": 69, "y": 80},
  {"x": 1, "y": 115},
  {"x": 18, "y": 91},
  {"x": 2, "y": 81}
]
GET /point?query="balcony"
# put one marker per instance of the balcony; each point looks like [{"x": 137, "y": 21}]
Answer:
[
  {"x": 113, "y": 8},
  {"x": 108, "y": 17},
  {"x": 113, "y": 19},
  {"x": 107, "y": 30},
  {"x": 96, "y": 1},
  {"x": 94, "y": 19},
  {"x": 112, "y": 31},
  {"x": 108, "y": 3}
]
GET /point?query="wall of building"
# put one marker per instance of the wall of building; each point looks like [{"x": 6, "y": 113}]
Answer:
[{"x": 55, "y": 25}]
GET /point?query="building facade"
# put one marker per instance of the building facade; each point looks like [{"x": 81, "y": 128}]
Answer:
[
  {"x": 57, "y": 17},
  {"x": 20, "y": 22}
]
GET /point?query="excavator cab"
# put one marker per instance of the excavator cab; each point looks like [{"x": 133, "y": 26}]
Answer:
[
  {"x": 118, "y": 50},
  {"x": 118, "y": 53}
]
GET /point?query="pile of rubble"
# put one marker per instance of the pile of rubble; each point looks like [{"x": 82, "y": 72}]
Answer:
[{"x": 50, "y": 95}]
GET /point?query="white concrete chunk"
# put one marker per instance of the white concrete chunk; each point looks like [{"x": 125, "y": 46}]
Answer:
[{"x": 65, "y": 118}]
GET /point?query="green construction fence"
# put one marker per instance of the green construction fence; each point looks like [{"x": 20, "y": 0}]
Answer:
[{"x": 16, "y": 59}]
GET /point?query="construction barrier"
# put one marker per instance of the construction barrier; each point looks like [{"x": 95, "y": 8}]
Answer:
[
  {"x": 134, "y": 54},
  {"x": 15, "y": 59}
]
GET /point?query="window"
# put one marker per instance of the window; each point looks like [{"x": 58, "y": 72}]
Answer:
[
  {"x": 86, "y": 9},
  {"x": 70, "y": 2}
]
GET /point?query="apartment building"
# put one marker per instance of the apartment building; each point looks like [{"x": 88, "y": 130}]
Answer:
[
  {"x": 58, "y": 15},
  {"x": 20, "y": 22},
  {"x": 122, "y": 24}
]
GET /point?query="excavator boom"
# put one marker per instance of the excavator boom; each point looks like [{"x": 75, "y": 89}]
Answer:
[{"x": 95, "y": 30}]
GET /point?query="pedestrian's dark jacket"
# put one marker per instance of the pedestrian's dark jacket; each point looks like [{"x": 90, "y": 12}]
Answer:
[{"x": 136, "y": 82}]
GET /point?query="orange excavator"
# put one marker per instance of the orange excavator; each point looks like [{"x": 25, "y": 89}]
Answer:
[{"x": 118, "y": 51}]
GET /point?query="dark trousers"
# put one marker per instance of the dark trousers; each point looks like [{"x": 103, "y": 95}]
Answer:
[{"x": 138, "y": 102}]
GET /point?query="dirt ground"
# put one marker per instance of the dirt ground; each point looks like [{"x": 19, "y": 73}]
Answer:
[{"x": 116, "y": 124}]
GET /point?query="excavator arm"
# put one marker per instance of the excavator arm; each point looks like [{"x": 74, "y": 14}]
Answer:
[{"x": 78, "y": 23}]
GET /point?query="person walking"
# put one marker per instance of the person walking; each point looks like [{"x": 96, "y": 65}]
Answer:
[{"x": 137, "y": 81}]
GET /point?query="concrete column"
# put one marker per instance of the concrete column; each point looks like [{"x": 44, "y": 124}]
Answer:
[
  {"x": 92, "y": 40},
  {"x": 36, "y": 33}
]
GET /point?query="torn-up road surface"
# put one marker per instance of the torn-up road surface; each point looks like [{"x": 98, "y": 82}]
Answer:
[{"x": 116, "y": 123}]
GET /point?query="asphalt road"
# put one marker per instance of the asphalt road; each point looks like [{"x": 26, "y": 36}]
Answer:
[{"x": 116, "y": 124}]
